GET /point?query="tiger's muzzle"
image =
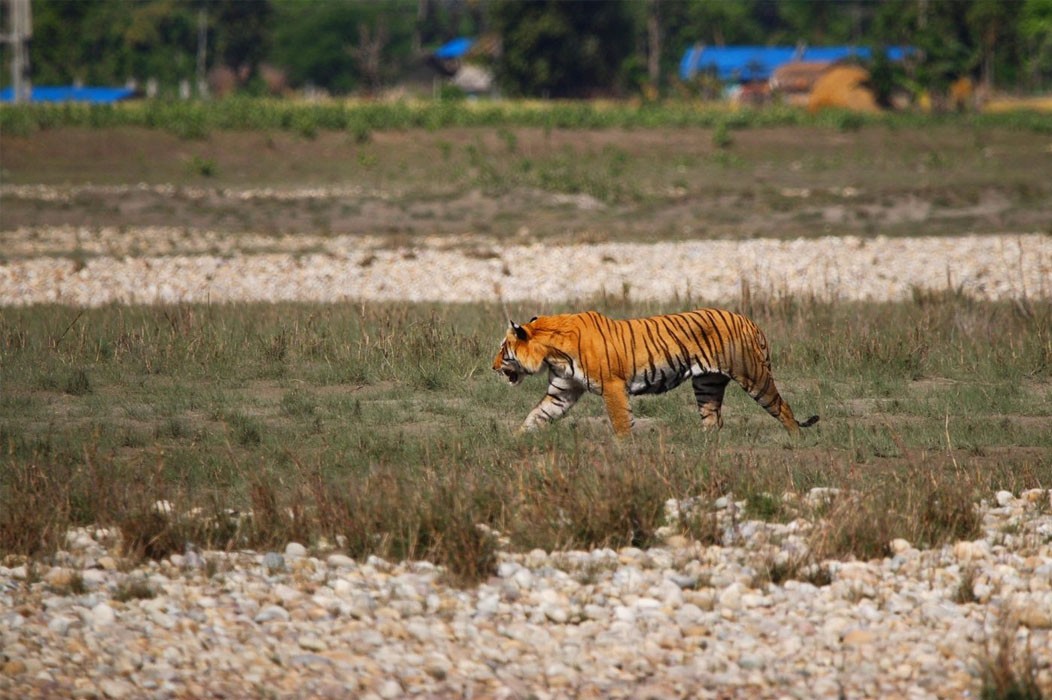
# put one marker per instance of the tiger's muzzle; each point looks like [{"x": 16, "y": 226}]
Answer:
[{"x": 509, "y": 367}]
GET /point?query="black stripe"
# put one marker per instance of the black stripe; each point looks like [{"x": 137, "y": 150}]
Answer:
[
  {"x": 619, "y": 330},
  {"x": 683, "y": 355},
  {"x": 632, "y": 337},
  {"x": 659, "y": 349},
  {"x": 650, "y": 352},
  {"x": 718, "y": 329},
  {"x": 687, "y": 328},
  {"x": 606, "y": 342},
  {"x": 676, "y": 332},
  {"x": 705, "y": 348},
  {"x": 658, "y": 342}
]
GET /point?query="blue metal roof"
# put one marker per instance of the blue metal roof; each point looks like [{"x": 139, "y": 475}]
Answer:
[
  {"x": 747, "y": 63},
  {"x": 455, "y": 48},
  {"x": 70, "y": 93},
  {"x": 735, "y": 62}
]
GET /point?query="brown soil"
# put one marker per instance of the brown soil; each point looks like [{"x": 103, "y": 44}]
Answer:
[{"x": 612, "y": 184}]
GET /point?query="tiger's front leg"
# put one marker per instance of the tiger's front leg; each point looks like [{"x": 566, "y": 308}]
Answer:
[
  {"x": 615, "y": 396},
  {"x": 561, "y": 396}
]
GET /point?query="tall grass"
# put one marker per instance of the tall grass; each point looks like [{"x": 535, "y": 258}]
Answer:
[{"x": 380, "y": 426}]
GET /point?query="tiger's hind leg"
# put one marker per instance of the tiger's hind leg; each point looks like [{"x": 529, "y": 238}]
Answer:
[{"x": 708, "y": 392}]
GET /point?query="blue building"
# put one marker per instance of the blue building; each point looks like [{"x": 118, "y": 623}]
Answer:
[
  {"x": 72, "y": 93},
  {"x": 746, "y": 64}
]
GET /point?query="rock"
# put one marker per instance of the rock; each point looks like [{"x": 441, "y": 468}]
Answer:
[
  {"x": 102, "y": 615},
  {"x": 556, "y": 614},
  {"x": 286, "y": 593},
  {"x": 900, "y": 546},
  {"x": 1033, "y": 611},
  {"x": 507, "y": 569},
  {"x": 1036, "y": 496},
  {"x": 116, "y": 689},
  {"x": 730, "y": 598},
  {"x": 295, "y": 550},
  {"x": 272, "y": 613},
  {"x": 339, "y": 561},
  {"x": 273, "y": 562},
  {"x": 858, "y": 637},
  {"x": 14, "y": 667},
  {"x": 390, "y": 689},
  {"x": 311, "y": 643},
  {"x": 59, "y": 625},
  {"x": 59, "y": 577}
]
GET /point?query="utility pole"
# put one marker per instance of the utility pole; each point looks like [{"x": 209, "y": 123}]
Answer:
[
  {"x": 202, "y": 52},
  {"x": 654, "y": 43},
  {"x": 19, "y": 36}
]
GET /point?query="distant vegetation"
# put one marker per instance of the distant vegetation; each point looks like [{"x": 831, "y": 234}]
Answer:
[
  {"x": 555, "y": 48},
  {"x": 195, "y": 119}
]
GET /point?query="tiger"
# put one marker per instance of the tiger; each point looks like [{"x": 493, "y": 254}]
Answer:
[{"x": 618, "y": 358}]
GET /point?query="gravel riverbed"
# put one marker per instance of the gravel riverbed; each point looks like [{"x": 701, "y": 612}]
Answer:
[
  {"x": 93, "y": 267},
  {"x": 678, "y": 620}
]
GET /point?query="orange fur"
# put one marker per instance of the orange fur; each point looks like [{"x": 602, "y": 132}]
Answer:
[{"x": 617, "y": 358}]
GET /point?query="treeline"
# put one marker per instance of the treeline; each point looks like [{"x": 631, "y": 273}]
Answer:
[{"x": 558, "y": 48}]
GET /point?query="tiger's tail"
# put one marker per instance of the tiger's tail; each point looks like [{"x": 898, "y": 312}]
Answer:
[{"x": 758, "y": 382}]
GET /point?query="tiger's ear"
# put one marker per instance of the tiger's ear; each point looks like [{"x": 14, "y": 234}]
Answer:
[
  {"x": 520, "y": 332},
  {"x": 533, "y": 319}
]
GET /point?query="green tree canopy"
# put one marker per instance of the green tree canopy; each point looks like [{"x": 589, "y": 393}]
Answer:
[
  {"x": 569, "y": 48},
  {"x": 324, "y": 43},
  {"x": 559, "y": 48}
]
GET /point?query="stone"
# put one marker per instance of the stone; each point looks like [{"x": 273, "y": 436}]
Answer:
[
  {"x": 311, "y": 643},
  {"x": 858, "y": 637},
  {"x": 59, "y": 625},
  {"x": 1036, "y": 615},
  {"x": 339, "y": 561},
  {"x": 102, "y": 615},
  {"x": 116, "y": 689},
  {"x": 272, "y": 613},
  {"x": 14, "y": 667},
  {"x": 295, "y": 550},
  {"x": 273, "y": 562}
]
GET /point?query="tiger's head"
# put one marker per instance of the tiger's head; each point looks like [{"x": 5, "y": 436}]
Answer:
[{"x": 518, "y": 355}]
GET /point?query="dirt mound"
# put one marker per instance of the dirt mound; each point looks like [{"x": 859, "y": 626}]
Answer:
[{"x": 843, "y": 87}]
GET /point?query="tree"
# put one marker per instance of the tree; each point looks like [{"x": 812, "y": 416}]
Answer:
[
  {"x": 570, "y": 48},
  {"x": 67, "y": 35},
  {"x": 991, "y": 21},
  {"x": 241, "y": 34},
  {"x": 1035, "y": 28},
  {"x": 816, "y": 22},
  {"x": 335, "y": 44}
]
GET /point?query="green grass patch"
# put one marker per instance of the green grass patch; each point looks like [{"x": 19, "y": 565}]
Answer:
[
  {"x": 382, "y": 426},
  {"x": 194, "y": 120}
]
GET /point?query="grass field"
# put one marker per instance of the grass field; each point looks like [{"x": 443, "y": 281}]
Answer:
[
  {"x": 381, "y": 428},
  {"x": 509, "y": 177},
  {"x": 384, "y": 425}
]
